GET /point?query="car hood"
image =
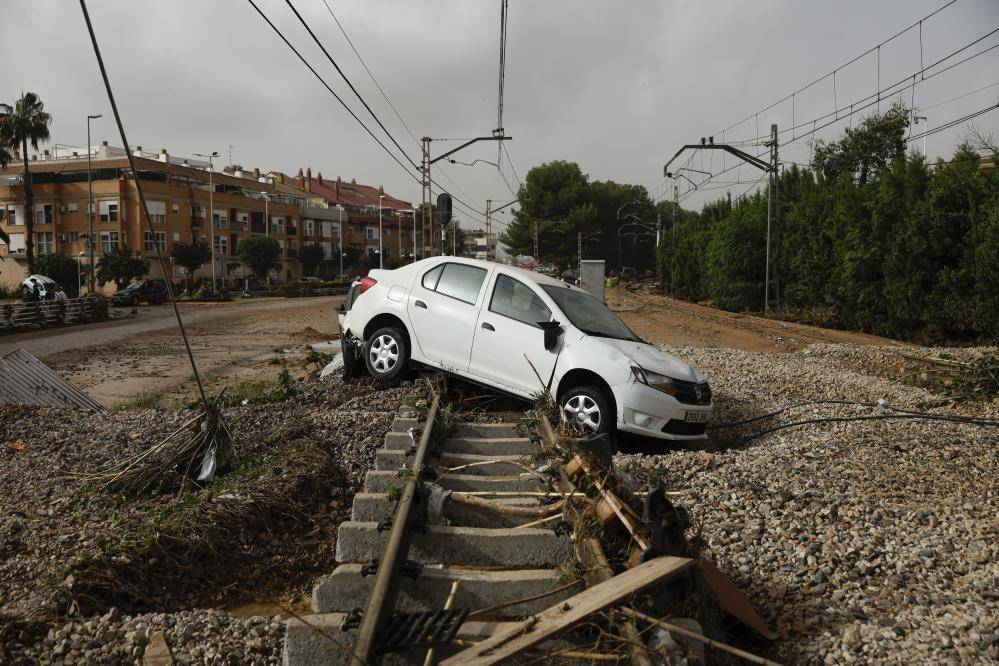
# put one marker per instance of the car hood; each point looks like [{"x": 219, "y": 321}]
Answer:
[{"x": 649, "y": 358}]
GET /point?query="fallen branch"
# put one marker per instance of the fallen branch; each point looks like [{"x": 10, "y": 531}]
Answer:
[
  {"x": 540, "y": 521},
  {"x": 693, "y": 635},
  {"x": 499, "y": 507}
]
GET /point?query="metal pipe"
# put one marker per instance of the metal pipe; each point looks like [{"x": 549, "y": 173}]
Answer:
[{"x": 381, "y": 603}]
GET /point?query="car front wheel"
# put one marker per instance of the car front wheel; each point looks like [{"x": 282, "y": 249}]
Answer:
[
  {"x": 586, "y": 409},
  {"x": 385, "y": 354}
]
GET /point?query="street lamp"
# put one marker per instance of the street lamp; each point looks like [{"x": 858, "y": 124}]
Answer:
[
  {"x": 90, "y": 203},
  {"x": 339, "y": 234},
  {"x": 381, "y": 260},
  {"x": 211, "y": 211},
  {"x": 413, "y": 210},
  {"x": 267, "y": 215},
  {"x": 79, "y": 285}
]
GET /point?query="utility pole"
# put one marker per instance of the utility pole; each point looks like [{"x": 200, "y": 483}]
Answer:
[
  {"x": 537, "y": 257},
  {"x": 771, "y": 210},
  {"x": 672, "y": 272},
  {"x": 427, "y": 215},
  {"x": 489, "y": 220}
]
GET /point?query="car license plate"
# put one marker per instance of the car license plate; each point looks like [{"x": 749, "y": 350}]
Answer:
[{"x": 696, "y": 417}]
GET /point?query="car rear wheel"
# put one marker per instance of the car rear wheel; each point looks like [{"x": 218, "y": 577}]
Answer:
[
  {"x": 385, "y": 354},
  {"x": 586, "y": 409}
]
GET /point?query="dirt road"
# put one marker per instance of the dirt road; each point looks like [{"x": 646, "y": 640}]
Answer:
[
  {"x": 143, "y": 358},
  {"x": 667, "y": 321}
]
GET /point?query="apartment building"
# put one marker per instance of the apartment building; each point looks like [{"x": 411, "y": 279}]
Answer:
[
  {"x": 183, "y": 194},
  {"x": 358, "y": 208},
  {"x": 477, "y": 244},
  {"x": 179, "y": 193}
]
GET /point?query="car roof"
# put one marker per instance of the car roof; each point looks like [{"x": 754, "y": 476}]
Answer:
[{"x": 520, "y": 273}]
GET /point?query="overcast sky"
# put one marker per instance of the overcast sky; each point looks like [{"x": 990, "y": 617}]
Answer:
[{"x": 615, "y": 86}]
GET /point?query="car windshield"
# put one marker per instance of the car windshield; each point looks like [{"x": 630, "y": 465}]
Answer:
[{"x": 588, "y": 314}]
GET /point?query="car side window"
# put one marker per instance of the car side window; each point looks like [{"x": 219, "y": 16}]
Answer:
[
  {"x": 461, "y": 281},
  {"x": 514, "y": 299},
  {"x": 430, "y": 277}
]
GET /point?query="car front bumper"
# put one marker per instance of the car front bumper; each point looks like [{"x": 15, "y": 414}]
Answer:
[{"x": 645, "y": 411}]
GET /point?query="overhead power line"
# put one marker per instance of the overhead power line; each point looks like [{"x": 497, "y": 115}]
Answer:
[
  {"x": 873, "y": 49},
  {"x": 331, "y": 91},
  {"x": 346, "y": 80}
]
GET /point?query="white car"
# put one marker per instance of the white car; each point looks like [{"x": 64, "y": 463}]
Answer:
[
  {"x": 48, "y": 289},
  {"x": 525, "y": 334}
]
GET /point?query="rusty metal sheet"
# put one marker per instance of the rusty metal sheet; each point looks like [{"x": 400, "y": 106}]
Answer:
[
  {"x": 24, "y": 380},
  {"x": 731, "y": 599}
]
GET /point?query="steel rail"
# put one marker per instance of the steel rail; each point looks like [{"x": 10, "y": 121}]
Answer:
[{"x": 381, "y": 603}]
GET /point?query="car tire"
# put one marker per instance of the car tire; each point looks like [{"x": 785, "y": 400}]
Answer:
[
  {"x": 353, "y": 359},
  {"x": 587, "y": 408},
  {"x": 386, "y": 355}
]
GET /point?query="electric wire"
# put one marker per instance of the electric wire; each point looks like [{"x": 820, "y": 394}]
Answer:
[
  {"x": 843, "y": 66},
  {"x": 346, "y": 80},
  {"x": 331, "y": 91}
]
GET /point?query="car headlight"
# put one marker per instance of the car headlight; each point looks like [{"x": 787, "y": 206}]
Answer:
[{"x": 654, "y": 380}]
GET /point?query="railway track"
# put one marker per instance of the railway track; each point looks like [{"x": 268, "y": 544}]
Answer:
[{"x": 459, "y": 534}]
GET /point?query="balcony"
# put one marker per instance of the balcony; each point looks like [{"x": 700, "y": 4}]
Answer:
[
  {"x": 258, "y": 227},
  {"x": 239, "y": 225}
]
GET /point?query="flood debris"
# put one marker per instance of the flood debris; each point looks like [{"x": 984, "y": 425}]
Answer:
[
  {"x": 191, "y": 455},
  {"x": 28, "y": 381}
]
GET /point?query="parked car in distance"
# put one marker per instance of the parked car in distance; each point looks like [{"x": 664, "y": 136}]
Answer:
[
  {"x": 625, "y": 273},
  {"x": 48, "y": 289},
  {"x": 524, "y": 334},
  {"x": 153, "y": 292},
  {"x": 570, "y": 276}
]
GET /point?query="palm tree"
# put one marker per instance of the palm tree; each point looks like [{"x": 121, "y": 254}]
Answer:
[{"x": 27, "y": 122}]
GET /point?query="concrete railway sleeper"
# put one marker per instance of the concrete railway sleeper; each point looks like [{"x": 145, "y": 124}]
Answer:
[{"x": 465, "y": 520}]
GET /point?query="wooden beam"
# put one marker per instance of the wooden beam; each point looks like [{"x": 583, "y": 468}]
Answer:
[
  {"x": 591, "y": 555},
  {"x": 566, "y": 614}
]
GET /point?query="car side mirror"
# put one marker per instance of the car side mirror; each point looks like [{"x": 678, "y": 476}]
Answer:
[{"x": 552, "y": 330}]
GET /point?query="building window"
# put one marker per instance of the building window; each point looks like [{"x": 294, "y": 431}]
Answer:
[
  {"x": 157, "y": 211},
  {"x": 372, "y": 233},
  {"x": 277, "y": 225},
  {"x": 16, "y": 243},
  {"x": 109, "y": 211},
  {"x": 43, "y": 214},
  {"x": 176, "y": 237},
  {"x": 220, "y": 219},
  {"x": 43, "y": 242},
  {"x": 73, "y": 237},
  {"x": 72, "y": 208},
  {"x": 308, "y": 228},
  {"x": 176, "y": 209},
  {"x": 198, "y": 211},
  {"x": 11, "y": 216},
  {"x": 109, "y": 240},
  {"x": 222, "y": 246},
  {"x": 160, "y": 241}
]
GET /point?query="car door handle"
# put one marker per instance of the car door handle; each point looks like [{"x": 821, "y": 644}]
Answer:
[
  {"x": 486, "y": 325},
  {"x": 421, "y": 304}
]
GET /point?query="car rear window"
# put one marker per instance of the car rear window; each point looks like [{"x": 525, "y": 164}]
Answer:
[
  {"x": 430, "y": 277},
  {"x": 460, "y": 281}
]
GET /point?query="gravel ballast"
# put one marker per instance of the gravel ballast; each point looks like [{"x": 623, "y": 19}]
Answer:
[
  {"x": 52, "y": 528},
  {"x": 869, "y": 541}
]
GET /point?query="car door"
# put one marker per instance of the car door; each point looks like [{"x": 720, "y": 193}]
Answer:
[
  {"x": 443, "y": 309},
  {"x": 509, "y": 346}
]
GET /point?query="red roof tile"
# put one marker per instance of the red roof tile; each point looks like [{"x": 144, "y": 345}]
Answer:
[{"x": 350, "y": 194}]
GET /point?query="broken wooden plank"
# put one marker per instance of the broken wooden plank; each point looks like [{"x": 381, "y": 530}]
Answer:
[
  {"x": 565, "y": 614},
  {"x": 591, "y": 555},
  {"x": 731, "y": 599}
]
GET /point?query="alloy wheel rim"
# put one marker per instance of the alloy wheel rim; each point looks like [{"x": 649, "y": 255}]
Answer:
[
  {"x": 384, "y": 353},
  {"x": 583, "y": 412}
]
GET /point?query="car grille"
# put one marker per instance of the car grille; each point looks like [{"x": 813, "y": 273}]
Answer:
[
  {"x": 687, "y": 392},
  {"x": 678, "y": 427}
]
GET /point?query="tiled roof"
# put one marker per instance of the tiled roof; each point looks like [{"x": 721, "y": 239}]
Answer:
[{"x": 349, "y": 194}]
